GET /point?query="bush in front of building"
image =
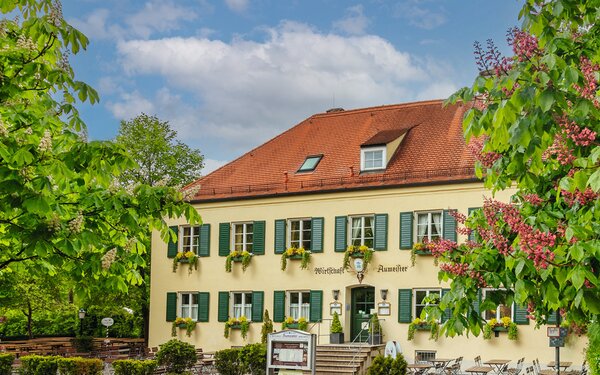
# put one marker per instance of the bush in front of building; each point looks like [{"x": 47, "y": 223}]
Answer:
[
  {"x": 267, "y": 327},
  {"x": 250, "y": 359},
  {"x": 593, "y": 349},
  {"x": 38, "y": 365},
  {"x": 80, "y": 366},
  {"x": 388, "y": 366},
  {"x": 6, "y": 361},
  {"x": 177, "y": 356},
  {"x": 83, "y": 344},
  {"x": 135, "y": 367}
]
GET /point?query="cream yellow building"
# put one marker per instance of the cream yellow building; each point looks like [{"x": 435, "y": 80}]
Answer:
[{"x": 383, "y": 177}]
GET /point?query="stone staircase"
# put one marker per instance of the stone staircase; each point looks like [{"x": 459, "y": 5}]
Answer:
[{"x": 351, "y": 359}]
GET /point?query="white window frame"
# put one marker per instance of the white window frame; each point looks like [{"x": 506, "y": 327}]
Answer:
[
  {"x": 244, "y": 242},
  {"x": 429, "y": 225},
  {"x": 301, "y": 302},
  {"x": 362, "y": 229},
  {"x": 363, "y": 158},
  {"x": 194, "y": 236},
  {"x": 484, "y": 293},
  {"x": 301, "y": 241},
  {"x": 429, "y": 291},
  {"x": 243, "y": 307},
  {"x": 190, "y": 306}
]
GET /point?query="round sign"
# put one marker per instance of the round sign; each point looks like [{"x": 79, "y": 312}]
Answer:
[
  {"x": 358, "y": 265},
  {"x": 392, "y": 348},
  {"x": 107, "y": 322}
]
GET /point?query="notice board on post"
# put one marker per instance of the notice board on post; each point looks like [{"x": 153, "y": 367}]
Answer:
[{"x": 291, "y": 350}]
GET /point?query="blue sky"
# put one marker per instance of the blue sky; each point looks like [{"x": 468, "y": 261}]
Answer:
[{"x": 230, "y": 74}]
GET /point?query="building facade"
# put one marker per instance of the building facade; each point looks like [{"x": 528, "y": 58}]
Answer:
[{"x": 380, "y": 178}]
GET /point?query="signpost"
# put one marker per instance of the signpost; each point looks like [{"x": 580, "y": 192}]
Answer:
[
  {"x": 557, "y": 337},
  {"x": 107, "y": 322},
  {"x": 291, "y": 352}
]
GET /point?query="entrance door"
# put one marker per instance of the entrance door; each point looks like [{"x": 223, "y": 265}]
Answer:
[{"x": 363, "y": 300}]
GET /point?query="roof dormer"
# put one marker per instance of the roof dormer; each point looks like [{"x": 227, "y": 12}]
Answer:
[{"x": 376, "y": 152}]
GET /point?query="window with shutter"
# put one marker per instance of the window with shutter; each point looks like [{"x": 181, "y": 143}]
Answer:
[
  {"x": 223, "y": 313},
  {"x": 259, "y": 238},
  {"x": 405, "y": 305},
  {"x": 171, "y": 306},
  {"x": 316, "y": 305},
  {"x": 280, "y": 243},
  {"x": 317, "y": 234},
  {"x": 300, "y": 233},
  {"x": 381, "y": 232},
  {"x": 340, "y": 233},
  {"x": 449, "y": 226},
  {"x": 204, "y": 244},
  {"x": 278, "y": 306},
  {"x": 258, "y": 299},
  {"x": 224, "y": 239},
  {"x": 406, "y": 230},
  {"x": 172, "y": 245},
  {"x": 203, "y": 306}
]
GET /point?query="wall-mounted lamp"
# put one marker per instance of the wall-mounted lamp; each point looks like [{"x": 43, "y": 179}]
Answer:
[
  {"x": 336, "y": 294},
  {"x": 384, "y": 293}
]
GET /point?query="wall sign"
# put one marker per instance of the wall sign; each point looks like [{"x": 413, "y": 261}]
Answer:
[
  {"x": 397, "y": 268},
  {"x": 329, "y": 270},
  {"x": 291, "y": 349}
]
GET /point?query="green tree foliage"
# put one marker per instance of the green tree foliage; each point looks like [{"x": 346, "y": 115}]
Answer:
[
  {"x": 388, "y": 366},
  {"x": 161, "y": 159},
  {"x": 59, "y": 207},
  {"x": 593, "y": 350},
  {"x": 534, "y": 126},
  {"x": 6, "y": 361}
]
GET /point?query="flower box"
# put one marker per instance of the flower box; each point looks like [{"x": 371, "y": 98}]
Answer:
[
  {"x": 183, "y": 260},
  {"x": 423, "y": 327},
  {"x": 235, "y": 326},
  {"x": 357, "y": 255},
  {"x": 292, "y": 325},
  {"x": 422, "y": 252},
  {"x": 237, "y": 259},
  {"x": 500, "y": 329},
  {"x": 295, "y": 256}
]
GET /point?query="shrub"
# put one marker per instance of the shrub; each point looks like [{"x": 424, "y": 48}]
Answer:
[
  {"x": 37, "y": 365},
  {"x": 227, "y": 362},
  {"x": 134, "y": 367},
  {"x": 266, "y": 328},
  {"x": 388, "y": 366},
  {"x": 6, "y": 361},
  {"x": 80, "y": 366},
  {"x": 83, "y": 344},
  {"x": 177, "y": 356},
  {"x": 593, "y": 349},
  {"x": 336, "y": 326},
  {"x": 253, "y": 359}
]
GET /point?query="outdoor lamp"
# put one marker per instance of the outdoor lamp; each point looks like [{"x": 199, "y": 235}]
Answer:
[
  {"x": 81, "y": 314},
  {"x": 384, "y": 293},
  {"x": 336, "y": 294}
]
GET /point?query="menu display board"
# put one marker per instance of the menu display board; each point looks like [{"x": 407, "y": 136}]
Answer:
[{"x": 292, "y": 350}]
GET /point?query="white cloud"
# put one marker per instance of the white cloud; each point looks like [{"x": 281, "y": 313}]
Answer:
[
  {"x": 211, "y": 165},
  {"x": 159, "y": 16},
  {"x": 354, "y": 23},
  {"x": 238, "y": 94},
  {"x": 237, "y": 5},
  {"x": 95, "y": 25},
  {"x": 131, "y": 105},
  {"x": 420, "y": 15}
]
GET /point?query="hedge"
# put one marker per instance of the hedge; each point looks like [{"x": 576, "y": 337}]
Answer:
[
  {"x": 6, "y": 361},
  {"x": 47, "y": 365},
  {"x": 134, "y": 367}
]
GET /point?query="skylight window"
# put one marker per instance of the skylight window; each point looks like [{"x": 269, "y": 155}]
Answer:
[{"x": 310, "y": 163}]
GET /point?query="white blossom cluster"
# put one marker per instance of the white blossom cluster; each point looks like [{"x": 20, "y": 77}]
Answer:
[
  {"x": 54, "y": 223},
  {"x": 29, "y": 131},
  {"x": 56, "y": 14},
  {"x": 129, "y": 245},
  {"x": 45, "y": 142},
  {"x": 76, "y": 225},
  {"x": 109, "y": 258},
  {"x": 25, "y": 42},
  {"x": 3, "y": 130},
  {"x": 190, "y": 193}
]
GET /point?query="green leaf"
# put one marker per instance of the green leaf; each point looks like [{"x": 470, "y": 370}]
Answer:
[
  {"x": 571, "y": 75},
  {"x": 578, "y": 277},
  {"x": 546, "y": 100},
  {"x": 594, "y": 181},
  {"x": 592, "y": 302}
]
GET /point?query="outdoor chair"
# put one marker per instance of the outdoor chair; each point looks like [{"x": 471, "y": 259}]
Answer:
[
  {"x": 530, "y": 370},
  {"x": 478, "y": 361},
  {"x": 536, "y": 366},
  {"x": 454, "y": 368},
  {"x": 516, "y": 370}
]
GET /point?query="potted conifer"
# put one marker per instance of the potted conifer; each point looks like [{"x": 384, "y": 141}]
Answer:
[
  {"x": 374, "y": 330},
  {"x": 336, "y": 331}
]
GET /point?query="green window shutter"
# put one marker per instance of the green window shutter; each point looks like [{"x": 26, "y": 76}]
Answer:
[
  {"x": 449, "y": 226},
  {"x": 316, "y": 305},
  {"x": 317, "y": 234},
  {"x": 406, "y": 230},
  {"x": 278, "y": 306},
  {"x": 477, "y": 302},
  {"x": 279, "y": 236},
  {"x": 171, "y": 306},
  {"x": 340, "y": 233},
  {"x": 447, "y": 313},
  {"x": 472, "y": 234},
  {"x": 258, "y": 246},
  {"x": 204, "y": 246},
  {"x": 223, "y": 313},
  {"x": 172, "y": 246},
  {"x": 381, "y": 232},
  {"x": 521, "y": 314},
  {"x": 203, "y": 306},
  {"x": 224, "y": 242},
  {"x": 404, "y": 305},
  {"x": 258, "y": 302}
]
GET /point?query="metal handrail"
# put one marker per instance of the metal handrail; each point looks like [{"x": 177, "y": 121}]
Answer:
[{"x": 359, "y": 347}]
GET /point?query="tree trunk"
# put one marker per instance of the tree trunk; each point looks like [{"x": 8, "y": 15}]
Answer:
[
  {"x": 29, "y": 320},
  {"x": 145, "y": 303}
]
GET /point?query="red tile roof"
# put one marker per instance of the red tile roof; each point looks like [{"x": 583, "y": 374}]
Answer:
[{"x": 433, "y": 151}]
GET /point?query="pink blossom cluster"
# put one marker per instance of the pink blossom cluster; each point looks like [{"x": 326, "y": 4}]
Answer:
[
  {"x": 475, "y": 275},
  {"x": 560, "y": 149},
  {"x": 533, "y": 199},
  {"x": 524, "y": 45},
  {"x": 536, "y": 243},
  {"x": 580, "y": 197},
  {"x": 458, "y": 269},
  {"x": 581, "y": 137},
  {"x": 487, "y": 159},
  {"x": 459, "y": 217},
  {"x": 505, "y": 64},
  {"x": 443, "y": 246},
  {"x": 530, "y": 311},
  {"x": 590, "y": 86},
  {"x": 464, "y": 231}
]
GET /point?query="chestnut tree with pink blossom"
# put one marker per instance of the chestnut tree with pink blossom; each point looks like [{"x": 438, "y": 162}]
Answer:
[{"x": 533, "y": 124}]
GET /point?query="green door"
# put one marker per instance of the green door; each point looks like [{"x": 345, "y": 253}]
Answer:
[{"x": 363, "y": 300}]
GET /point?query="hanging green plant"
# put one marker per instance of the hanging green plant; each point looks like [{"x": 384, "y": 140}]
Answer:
[
  {"x": 296, "y": 253},
  {"x": 357, "y": 252},
  {"x": 240, "y": 323},
  {"x": 238, "y": 256},
  {"x": 186, "y": 257},
  {"x": 188, "y": 323}
]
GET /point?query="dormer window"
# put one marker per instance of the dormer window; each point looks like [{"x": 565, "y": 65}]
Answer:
[
  {"x": 373, "y": 158},
  {"x": 310, "y": 163}
]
